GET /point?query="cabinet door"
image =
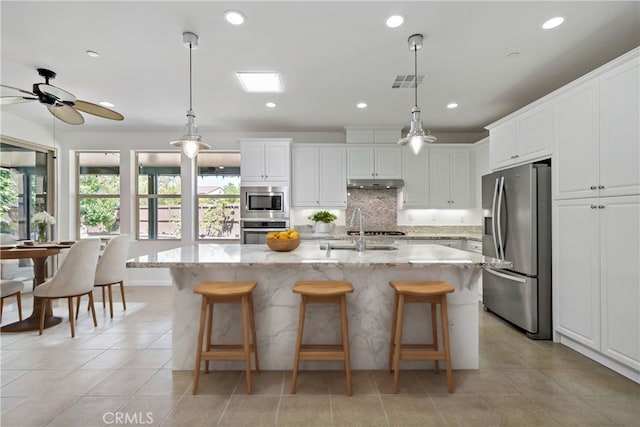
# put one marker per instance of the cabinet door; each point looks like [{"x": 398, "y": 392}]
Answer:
[
  {"x": 439, "y": 173},
  {"x": 502, "y": 145},
  {"x": 415, "y": 193},
  {"x": 332, "y": 177},
  {"x": 388, "y": 162},
  {"x": 251, "y": 161},
  {"x": 620, "y": 130},
  {"x": 460, "y": 178},
  {"x": 576, "y": 143},
  {"x": 576, "y": 263},
  {"x": 534, "y": 133},
  {"x": 304, "y": 185},
  {"x": 620, "y": 278},
  {"x": 360, "y": 162},
  {"x": 276, "y": 161}
]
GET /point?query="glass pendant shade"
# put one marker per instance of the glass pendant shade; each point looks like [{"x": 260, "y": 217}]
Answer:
[{"x": 191, "y": 141}]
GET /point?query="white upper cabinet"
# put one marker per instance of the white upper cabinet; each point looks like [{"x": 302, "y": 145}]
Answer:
[
  {"x": 415, "y": 173},
  {"x": 319, "y": 176},
  {"x": 265, "y": 162},
  {"x": 597, "y": 134},
  {"x": 450, "y": 172},
  {"x": 522, "y": 139},
  {"x": 372, "y": 136},
  {"x": 374, "y": 162}
]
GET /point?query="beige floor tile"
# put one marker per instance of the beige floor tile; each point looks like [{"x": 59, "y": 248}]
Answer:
[
  {"x": 123, "y": 383},
  {"x": 90, "y": 412},
  {"x": 408, "y": 382},
  {"x": 8, "y": 375},
  {"x": 519, "y": 411},
  {"x": 147, "y": 359},
  {"x": 110, "y": 359},
  {"x": 196, "y": 411},
  {"x": 592, "y": 382},
  {"x": 436, "y": 383},
  {"x": 67, "y": 359},
  {"x": 357, "y": 411},
  {"x": 218, "y": 382},
  {"x": 34, "y": 383},
  {"x": 411, "y": 411},
  {"x": 8, "y": 403},
  {"x": 621, "y": 409},
  {"x": 532, "y": 381},
  {"x": 153, "y": 410},
  {"x": 168, "y": 383},
  {"x": 164, "y": 342},
  {"x": 485, "y": 381},
  {"x": 263, "y": 383},
  {"x": 466, "y": 410},
  {"x": 77, "y": 383},
  {"x": 570, "y": 410},
  {"x": 250, "y": 411},
  {"x": 135, "y": 340},
  {"x": 101, "y": 341},
  {"x": 362, "y": 383},
  {"x": 304, "y": 411},
  {"x": 309, "y": 382},
  {"x": 36, "y": 411}
]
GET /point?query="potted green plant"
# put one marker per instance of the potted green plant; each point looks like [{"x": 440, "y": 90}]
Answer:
[{"x": 323, "y": 221}]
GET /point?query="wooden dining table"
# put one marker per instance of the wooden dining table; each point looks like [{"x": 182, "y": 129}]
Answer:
[{"x": 39, "y": 255}]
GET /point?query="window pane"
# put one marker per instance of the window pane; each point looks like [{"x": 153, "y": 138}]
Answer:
[
  {"x": 159, "y": 218},
  {"x": 219, "y": 218},
  {"x": 99, "y": 184},
  {"x": 99, "y": 216}
]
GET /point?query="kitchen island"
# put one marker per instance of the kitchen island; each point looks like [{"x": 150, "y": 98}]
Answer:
[{"x": 276, "y": 306}]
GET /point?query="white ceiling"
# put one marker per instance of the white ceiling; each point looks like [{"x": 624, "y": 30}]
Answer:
[{"x": 331, "y": 55}]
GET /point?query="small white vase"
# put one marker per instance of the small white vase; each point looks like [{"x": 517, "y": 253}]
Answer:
[{"x": 324, "y": 227}]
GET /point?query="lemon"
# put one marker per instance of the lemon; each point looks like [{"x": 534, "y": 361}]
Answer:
[
  {"x": 292, "y": 230},
  {"x": 295, "y": 235},
  {"x": 283, "y": 235},
  {"x": 272, "y": 235}
]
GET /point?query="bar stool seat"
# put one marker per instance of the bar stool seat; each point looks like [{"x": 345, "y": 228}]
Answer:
[
  {"x": 226, "y": 293},
  {"x": 323, "y": 292},
  {"x": 433, "y": 293}
]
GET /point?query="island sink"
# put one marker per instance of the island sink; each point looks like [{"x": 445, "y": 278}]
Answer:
[{"x": 353, "y": 247}]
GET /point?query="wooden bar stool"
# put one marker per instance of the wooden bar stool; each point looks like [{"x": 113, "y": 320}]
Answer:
[
  {"x": 434, "y": 293},
  {"x": 323, "y": 292},
  {"x": 226, "y": 293}
]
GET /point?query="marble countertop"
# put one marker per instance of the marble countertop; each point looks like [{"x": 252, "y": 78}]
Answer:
[
  {"x": 309, "y": 253},
  {"x": 412, "y": 236}
]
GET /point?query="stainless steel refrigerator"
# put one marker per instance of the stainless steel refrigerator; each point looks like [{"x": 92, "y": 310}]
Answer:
[{"x": 516, "y": 206}]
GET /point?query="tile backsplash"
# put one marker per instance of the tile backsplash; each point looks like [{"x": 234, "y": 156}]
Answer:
[{"x": 379, "y": 208}]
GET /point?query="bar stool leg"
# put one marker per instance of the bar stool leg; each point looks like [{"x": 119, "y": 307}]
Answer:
[
  {"x": 252, "y": 317},
  {"x": 196, "y": 371},
  {"x": 445, "y": 340},
  {"x": 398, "y": 343},
  {"x": 434, "y": 332},
  {"x": 345, "y": 342},
  {"x": 245, "y": 339},
  {"x": 394, "y": 320},
  {"x": 208, "y": 334},
  {"x": 296, "y": 361}
]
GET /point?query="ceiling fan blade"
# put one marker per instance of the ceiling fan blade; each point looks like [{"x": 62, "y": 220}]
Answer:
[
  {"x": 66, "y": 114},
  {"x": 19, "y": 90},
  {"x": 56, "y": 92},
  {"x": 7, "y": 100},
  {"x": 97, "y": 110}
]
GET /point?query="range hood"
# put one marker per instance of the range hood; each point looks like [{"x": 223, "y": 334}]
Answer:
[{"x": 375, "y": 184}]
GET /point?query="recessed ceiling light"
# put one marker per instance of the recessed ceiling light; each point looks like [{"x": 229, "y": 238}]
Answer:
[
  {"x": 362, "y": 105},
  {"x": 271, "y": 104},
  {"x": 260, "y": 82},
  {"x": 395, "y": 21},
  {"x": 452, "y": 105},
  {"x": 553, "y": 22},
  {"x": 93, "y": 53},
  {"x": 106, "y": 104},
  {"x": 234, "y": 17}
]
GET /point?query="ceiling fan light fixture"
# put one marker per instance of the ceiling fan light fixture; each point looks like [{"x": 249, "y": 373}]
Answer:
[
  {"x": 416, "y": 138},
  {"x": 191, "y": 142}
]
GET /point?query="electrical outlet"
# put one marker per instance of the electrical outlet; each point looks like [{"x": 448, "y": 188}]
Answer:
[{"x": 433, "y": 218}]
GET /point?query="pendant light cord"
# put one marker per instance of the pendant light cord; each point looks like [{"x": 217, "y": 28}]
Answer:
[
  {"x": 190, "y": 78},
  {"x": 415, "y": 72}
]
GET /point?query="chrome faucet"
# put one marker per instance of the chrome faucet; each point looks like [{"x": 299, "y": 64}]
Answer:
[{"x": 360, "y": 244}]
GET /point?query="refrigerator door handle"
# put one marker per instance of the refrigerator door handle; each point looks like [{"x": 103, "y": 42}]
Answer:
[
  {"x": 493, "y": 217},
  {"x": 499, "y": 221},
  {"x": 505, "y": 276}
]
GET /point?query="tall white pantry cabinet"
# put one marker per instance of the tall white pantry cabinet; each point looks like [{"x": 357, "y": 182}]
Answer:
[{"x": 596, "y": 215}]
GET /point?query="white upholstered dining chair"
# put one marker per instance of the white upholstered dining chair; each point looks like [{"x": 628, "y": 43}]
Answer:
[
  {"x": 74, "y": 278},
  {"x": 111, "y": 269},
  {"x": 10, "y": 288}
]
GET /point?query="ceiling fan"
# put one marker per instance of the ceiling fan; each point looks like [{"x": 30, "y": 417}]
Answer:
[{"x": 62, "y": 104}]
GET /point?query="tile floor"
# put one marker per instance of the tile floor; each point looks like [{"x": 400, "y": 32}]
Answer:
[{"x": 122, "y": 369}]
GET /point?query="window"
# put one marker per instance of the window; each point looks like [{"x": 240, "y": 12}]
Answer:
[
  {"x": 25, "y": 186},
  {"x": 158, "y": 194},
  {"x": 98, "y": 194},
  {"x": 218, "y": 196}
]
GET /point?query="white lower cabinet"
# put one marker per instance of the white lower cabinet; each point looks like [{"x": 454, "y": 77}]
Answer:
[
  {"x": 319, "y": 176},
  {"x": 597, "y": 279}
]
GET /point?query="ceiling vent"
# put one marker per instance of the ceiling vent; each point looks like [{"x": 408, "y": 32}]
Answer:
[{"x": 406, "y": 81}]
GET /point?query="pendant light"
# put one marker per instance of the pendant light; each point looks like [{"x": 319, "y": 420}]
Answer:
[
  {"x": 416, "y": 137},
  {"x": 191, "y": 141}
]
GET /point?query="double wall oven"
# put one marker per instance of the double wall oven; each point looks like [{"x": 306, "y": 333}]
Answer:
[{"x": 263, "y": 209}]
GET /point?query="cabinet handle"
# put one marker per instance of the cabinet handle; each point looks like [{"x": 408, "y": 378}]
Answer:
[
  {"x": 266, "y": 176},
  {"x": 600, "y": 206},
  {"x": 601, "y": 187},
  {"x": 593, "y": 187},
  {"x": 594, "y": 207}
]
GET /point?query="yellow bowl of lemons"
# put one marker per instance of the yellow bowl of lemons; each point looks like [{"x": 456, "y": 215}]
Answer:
[{"x": 283, "y": 241}]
